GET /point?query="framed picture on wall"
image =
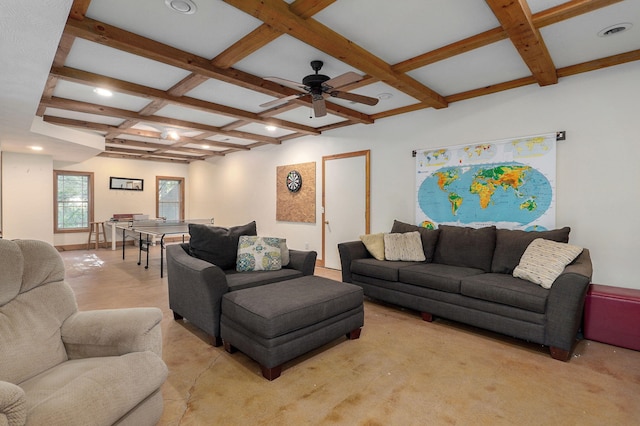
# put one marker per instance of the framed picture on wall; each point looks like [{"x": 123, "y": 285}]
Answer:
[{"x": 128, "y": 184}]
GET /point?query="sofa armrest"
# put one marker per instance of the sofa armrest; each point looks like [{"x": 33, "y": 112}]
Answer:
[
  {"x": 303, "y": 261},
  {"x": 112, "y": 332},
  {"x": 566, "y": 302},
  {"x": 13, "y": 405},
  {"x": 349, "y": 252},
  {"x": 196, "y": 288}
]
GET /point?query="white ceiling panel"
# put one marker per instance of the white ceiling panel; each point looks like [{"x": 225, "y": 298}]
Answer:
[
  {"x": 229, "y": 139},
  {"x": 495, "y": 63},
  {"x": 92, "y": 118},
  {"x": 229, "y": 94},
  {"x": 260, "y": 129},
  {"x": 206, "y": 33},
  {"x": 395, "y": 31},
  {"x": 99, "y": 59},
  {"x": 84, "y": 93},
  {"x": 304, "y": 116},
  {"x": 388, "y": 98},
  {"x": 289, "y": 58},
  {"x": 576, "y": 40},
  {"x": 196, "y": 116}
]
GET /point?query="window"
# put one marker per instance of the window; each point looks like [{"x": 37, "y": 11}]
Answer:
[
  {"x": 170, "y": 197},
  {"x": 73, "y": 201}
]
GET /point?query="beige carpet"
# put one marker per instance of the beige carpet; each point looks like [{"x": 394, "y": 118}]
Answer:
[{"x": 402, "y": 370}]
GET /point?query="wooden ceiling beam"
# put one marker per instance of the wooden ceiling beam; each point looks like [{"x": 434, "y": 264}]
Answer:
[
  {"x": 276, "y": 14},
  {"x": 79, "y": 9},
  {"x": 163, "y": 98},
  {"x": 265, "y": 34},
  {"x": 568, "y": 10},
  {"x": 116, "y": 153},
  {"x": 101, "y": 110},
  {"x": 541, "y": 19},
  {"x": 515, "y": 18},
  {"x": 107, "y": 35}
]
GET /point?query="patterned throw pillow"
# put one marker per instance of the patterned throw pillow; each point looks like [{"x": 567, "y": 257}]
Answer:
[
  {"x": 543, "y": 261},
  {"x": 284, "y": 252},
  {"x": 406, "y": 246},
  {"x": 258, "y": 254}
]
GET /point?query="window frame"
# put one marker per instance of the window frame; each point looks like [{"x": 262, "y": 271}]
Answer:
[
  {"x": 90, "y": 218},
  {"x": 182, "y": 193}
]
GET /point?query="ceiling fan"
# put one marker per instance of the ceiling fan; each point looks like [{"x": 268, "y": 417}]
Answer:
[{"x": 319, "y": 87}]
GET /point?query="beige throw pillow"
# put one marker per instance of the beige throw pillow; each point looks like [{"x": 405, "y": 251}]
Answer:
[
  {"x": 544, "y": 260},
  {"x": 406, "y": 247},
  {"x": 374, "y": 244}
]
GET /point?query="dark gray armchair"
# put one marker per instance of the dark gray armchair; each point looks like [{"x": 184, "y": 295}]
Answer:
[{"x": 196, "y": 286}]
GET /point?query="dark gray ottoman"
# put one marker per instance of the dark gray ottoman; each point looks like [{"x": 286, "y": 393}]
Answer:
[{"x": 278, "y": 322}]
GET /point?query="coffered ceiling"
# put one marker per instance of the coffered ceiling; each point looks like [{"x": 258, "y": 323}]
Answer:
[{"x": 202, "y": 74}]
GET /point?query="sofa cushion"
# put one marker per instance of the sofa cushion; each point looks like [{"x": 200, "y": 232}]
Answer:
[
  {"x": 97, "y": 390},
  {"x": 383, "y": 269},
  {"x": 543, "y": 261},
  {"x": 287, "y": 306},
  {"x": 216, "y": 244},
  {"x": 506, "y": 290},
  {"x": 258, "y": 253},
  {"x": 405, "y": 247},
  {"x": 511, "y": 244},
  {"x": 436, "y": 276},
  {"x": 242, "y": 280},
  {"x": 429, "y": 236},
  {"x": 465, "y": 246},
  {"x": 374, "y": 244}
]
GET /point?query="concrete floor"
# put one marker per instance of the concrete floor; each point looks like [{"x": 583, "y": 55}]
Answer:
[{"x": 402, "y": 370}]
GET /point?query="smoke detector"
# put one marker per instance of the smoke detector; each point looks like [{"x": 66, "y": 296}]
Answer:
[{"x": 186, "y": 7}]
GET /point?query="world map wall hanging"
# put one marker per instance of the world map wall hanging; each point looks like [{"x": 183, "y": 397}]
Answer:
[{"x": 508, "y": 183}]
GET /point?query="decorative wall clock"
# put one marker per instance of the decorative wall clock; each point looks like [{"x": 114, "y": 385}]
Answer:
[{"x": 294, "y": 181}]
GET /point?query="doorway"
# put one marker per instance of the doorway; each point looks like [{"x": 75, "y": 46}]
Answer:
[{"x": 345, "y": 202}]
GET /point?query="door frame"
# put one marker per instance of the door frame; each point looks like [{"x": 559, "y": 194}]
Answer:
[{"x": 367, "y": 213}]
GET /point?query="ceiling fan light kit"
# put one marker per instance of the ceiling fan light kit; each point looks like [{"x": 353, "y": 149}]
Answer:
[{"x": 319, "y": 87}]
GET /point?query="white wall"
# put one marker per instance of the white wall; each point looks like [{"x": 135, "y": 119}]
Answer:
[
  {"x": 27, "y": 197},
  {"x": 108, "y": 202},
  {"x": 598, "y": 177}
]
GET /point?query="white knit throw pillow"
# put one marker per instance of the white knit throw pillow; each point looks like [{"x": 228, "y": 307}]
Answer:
[
  {"x": 406, "y": 246},
  {"x": 544, "y": 260}
]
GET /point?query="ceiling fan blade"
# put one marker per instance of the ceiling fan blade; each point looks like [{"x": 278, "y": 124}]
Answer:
[
  {"x": 361, "y": 99},
  {"x": 319, "y": 106},
  {"x": 342, "y": 80},
  {"x": 287, "y": 83},
  {"x": 280, "y": 101}
]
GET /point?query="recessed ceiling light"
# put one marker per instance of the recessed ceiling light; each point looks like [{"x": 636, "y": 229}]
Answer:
[
  {"x": 205, "y": 146},
  {"x": 384, "y": 96},
  {"x": 170, "y": 134},
  {"x": 271, "y": 128},
  {"x": 614, "y": 29},
  {"x": 102, "y": 92},
  {"x": 186, "y": 7},
  {"x": 36, "y": 148}
]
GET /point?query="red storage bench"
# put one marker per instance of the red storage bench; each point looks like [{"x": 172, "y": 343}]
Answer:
[{"x": 612, "y": 315}]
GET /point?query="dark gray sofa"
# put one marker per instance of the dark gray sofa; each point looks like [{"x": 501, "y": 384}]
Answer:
[
  {"x": 196, "y": 286},
  {"x": 467, "y": 277}
]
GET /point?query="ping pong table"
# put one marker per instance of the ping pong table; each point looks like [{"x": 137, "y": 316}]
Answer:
[{"x": 151, "y": 229}]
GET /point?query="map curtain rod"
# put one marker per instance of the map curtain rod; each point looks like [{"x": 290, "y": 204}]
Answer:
[{"x": 560, "y": 136}]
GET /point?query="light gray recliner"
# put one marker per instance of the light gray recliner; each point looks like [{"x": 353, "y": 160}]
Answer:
[{"x": 59, "y": 366}]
